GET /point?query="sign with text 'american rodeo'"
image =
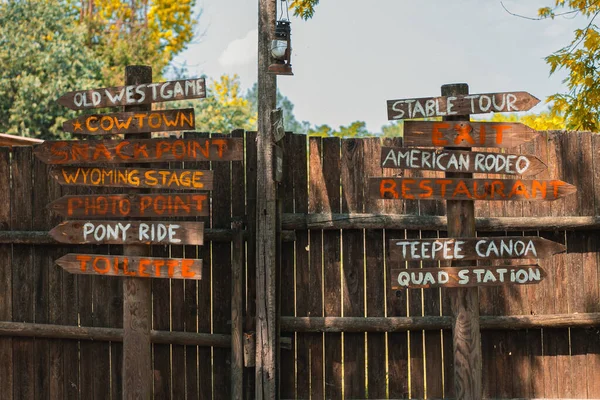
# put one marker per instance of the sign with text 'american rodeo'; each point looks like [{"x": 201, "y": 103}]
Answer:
[
  {"x": 482, "y": 248},
  {"x": 129, "y": 232},
  {"x": 138, "y": 267},
  {"x": 468, "y": 189},
  {"x": 133, "y": 95},
  {"x": 132, "y": 122},
  {"x": 414, "y": 278},
  {"x": 428, "y": 107},
  {"x": 460, "y": 161},
  {"x": 178, "y": 179},
  {"x": 467, "y": 134},
  {"x": 132, "y": 205},
  {"x": 139, "y": 151}
]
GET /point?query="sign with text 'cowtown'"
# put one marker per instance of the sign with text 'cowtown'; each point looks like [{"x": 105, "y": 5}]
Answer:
[
  {"x": 414, "y": 278},
  {"x": 137, "y": 267},
  {"x": 444, "y": 106},
  {"x": 178, "y": 179},
  {"x": 129, "y": 232},
  {"x": 482, "y": 248},
  {"x": 134, "y": 95},
  {"x": 460, "y": 161},
  {"x": 132, "y": 122},
  {"x": 467, "y": 134},
  {"x": 139, "y": 151},
  {"x": 165, "y": 205},
  {"x": 468, "y": 189}
]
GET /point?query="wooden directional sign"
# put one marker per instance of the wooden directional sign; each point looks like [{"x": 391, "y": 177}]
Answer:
[
  {"x": 165, "y": 205},
  {"x": 139, "y": 151},
  {"x": 428, "y": 107},
  {"x": 481, "y": 248},
  {"x": 179, "y": 179},
  {"x": 129, "y": 232},
  {"x": 132, "y": 122},
  {"x": 460, "y": 161},
  {"x": 466, "y": 276},
  {"x": 468, "y": 189},
  {"x": 134, "y": 95},
  {"x": 139, "y": 267}
]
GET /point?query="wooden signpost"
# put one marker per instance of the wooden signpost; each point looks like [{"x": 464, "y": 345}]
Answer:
[
  {"x": 446, "y": 106},
  {"x": 132, "y": 205},
  {"x": 460, "y": 161},
  {"x": 129, "y": 232},
  {"x": 132, "y": 122},
  {"x": 131, "y": 266},
  {"x": 178, "y": 179},
  {"x": 468, "y": 189},
  {"x": 65, "y": 152},
  {"x": 134, "y": 95}
]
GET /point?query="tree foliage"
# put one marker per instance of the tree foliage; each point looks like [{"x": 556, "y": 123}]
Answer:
[
  {"x": 545, "y": 121},
  {"x": 291, "y": 124},
  {"x": 357, "y": 129},
  {"x": 42, "y": 55},
  {"x": 580, "y": 105},
  {"x": 304, "y": 9}
]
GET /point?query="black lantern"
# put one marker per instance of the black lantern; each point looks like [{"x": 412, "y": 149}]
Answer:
[{"x": 281, "y": 49}]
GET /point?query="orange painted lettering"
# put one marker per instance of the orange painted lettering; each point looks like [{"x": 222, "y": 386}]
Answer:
[
  {"x": 140, "y": 149},
  {"x": 97, "y": 267},
  {"x": 55, "y": 150},
  {"x": 220, "y": 143},
  {"x": 499, "y": 129},
  {"x": 88, "y": 123},
  {"x": 102, "y": 150},
  {"x": 486, "y": 189},
  {"x": 83, "y": 260},
  {"x": 186, "y": 272},
  {"x": 425, "y": 185},
  {"x": 171, "y": 264},
  {"x": 118, "y": 149},
  {"x": 461, "y": 187},
  {"x": 158, "y": 264},
  {"x": 406, "y": 189},
  {"x": 443, "y": 183},
  {"x": 555, "y": 185},
  {"x": 463, "y": 133},
  {"x": 387, "y": 189},
  {"x": 497, "y": 187},
  {"x": 538, "y": 186},
  {"x": 161, "y": 148},
  {"x": 144, "y": 262},
  {"x": 72, "y": 204},
  {"x": 437, "y": 137},
  {"x": 519, "y": 190}
]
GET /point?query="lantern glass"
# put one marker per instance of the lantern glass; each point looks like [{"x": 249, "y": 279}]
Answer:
[{"x": 278, "y": 49}]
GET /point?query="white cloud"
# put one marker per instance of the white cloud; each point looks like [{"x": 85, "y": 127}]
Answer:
[{"x": 240, "y": 51}]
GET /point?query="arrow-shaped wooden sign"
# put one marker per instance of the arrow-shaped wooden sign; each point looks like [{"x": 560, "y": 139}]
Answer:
[
  {"x": 139, "y": 267},
  {"x": 481, "y": 248},
  {"x": 129, "y": 232},
  {"x": 467, "y": 134},
  {"x": 132, "y": 122},
  {"x": 178, "y": 179},
  {"x": 413, "y": 278},
  {"x": 460, "y": 161},
  {"x": 468, "y": 189},
  {"x": 132, "y": 205},
  {"x": 428, "y": 107},
  {"x": 139, "y": 151},
  {"x": 133, "y": 95}
]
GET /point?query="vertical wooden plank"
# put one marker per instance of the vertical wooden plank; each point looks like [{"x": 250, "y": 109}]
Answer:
[
  {"x": 352, "y": 176},
  {"x": 6, "y": 272},
  {"x": 22, "y": 274},
  {"x": 330, "y": 149}
]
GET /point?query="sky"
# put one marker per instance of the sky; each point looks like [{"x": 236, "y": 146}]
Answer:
[{"x": 354, "y": 55}]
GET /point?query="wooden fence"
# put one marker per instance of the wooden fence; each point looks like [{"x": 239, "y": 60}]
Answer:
[{"x": 324, "y": 273}]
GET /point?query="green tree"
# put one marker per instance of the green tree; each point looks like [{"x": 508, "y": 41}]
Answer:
[
  {"x": 42, "y": 54},
  {"x": 544, "y": 121},
  {"x": 291, "y": 124},
  {"x": 357, "y": 129},
  {"x": 304, "y": 9}
]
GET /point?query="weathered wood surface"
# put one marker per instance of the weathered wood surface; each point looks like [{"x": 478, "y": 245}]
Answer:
[
  {"x": 13, "y": 140},
  {"x": 466, "y": 248},
  {"x": 134, "y": 95},
  {"x": 130, "y": 266},
  {"x": 467, "y": 134},
  {"x": 129, "y": 232},
  {"x": 466, "y": 276},
  {"x": 460, "y": 161},
  {"x": 131, "y": 205},
  {"x": 132, "y": 122},
  {"x": 177, "y": 179},
  {"x": 460, "y": 104},
  {"x": 138, "y": 151},
  {"x": 469, "y": 189}
]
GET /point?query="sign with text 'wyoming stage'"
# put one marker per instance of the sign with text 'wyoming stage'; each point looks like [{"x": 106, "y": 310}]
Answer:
[
  {"x": 138, "y": 267},
  {"x": 134, "y": 95},
  {"x": 481, "y": 248},
  {"x": 468, "y": 189},
  {"x": 414, "y": 278},
  {"x": 139, "y": 151},
  {"x": 460, "y": 161},
  {"x": 467, "y": 134},
  {"x": 428, "y": 107},
  {"x": 178, "y": 179},
  {"x": 129, "y": 232},
  {"x": 132, "y": 122},
  {"x": 165, "y": 205}
]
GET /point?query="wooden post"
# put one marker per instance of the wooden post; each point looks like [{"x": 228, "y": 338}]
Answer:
[
  {"x": 237, "y": 313},
  {"x": 466, "y": 337},
  {"x": 266, "y": 299},
  {"x": 137, "y": 303}
]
